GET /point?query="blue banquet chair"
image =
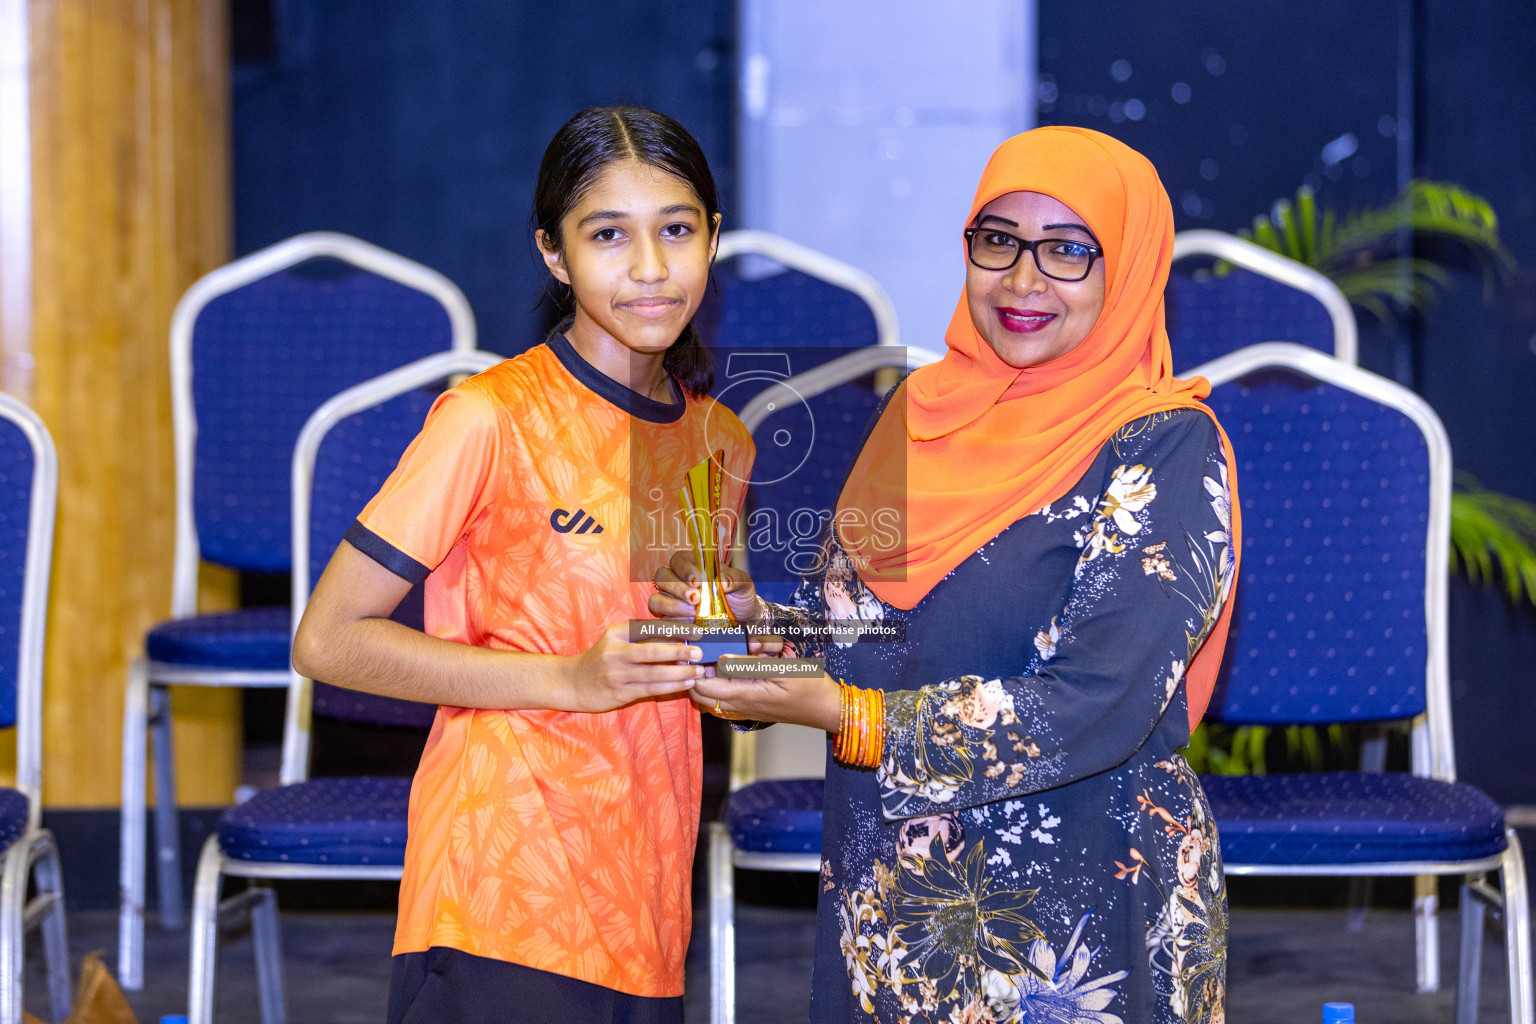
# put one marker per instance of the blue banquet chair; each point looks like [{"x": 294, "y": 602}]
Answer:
[
  {"x": 779, "y": 309},
  {"x": 774, "y": 824},
  {"x": 769, "y": 293},
  {"x": 256, "y": 346},
  {"x": 29, "y": 488},
  {"x": 1263, "y": 297},
  {"x": 1340, "y": 616},
  {"x": 325, "y": 828}
]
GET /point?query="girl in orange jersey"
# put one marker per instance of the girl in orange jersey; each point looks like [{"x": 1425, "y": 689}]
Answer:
[{"x": 554, "y": 814}]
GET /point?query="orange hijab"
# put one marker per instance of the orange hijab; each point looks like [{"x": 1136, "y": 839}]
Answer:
[{"x": 985, "y": 444}]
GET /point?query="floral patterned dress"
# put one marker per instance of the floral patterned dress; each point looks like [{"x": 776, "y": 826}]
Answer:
[{"x": 1033, "y": 847}]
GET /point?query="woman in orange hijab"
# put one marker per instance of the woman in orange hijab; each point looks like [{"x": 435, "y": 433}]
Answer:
[{"x": 1046, "y": 519}]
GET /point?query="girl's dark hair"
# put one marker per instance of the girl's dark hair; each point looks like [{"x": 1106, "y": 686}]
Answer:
[{"x": 589, "y": 142}]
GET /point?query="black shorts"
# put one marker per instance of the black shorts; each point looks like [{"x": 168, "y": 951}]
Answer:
[{"x": 448, "y": 986}]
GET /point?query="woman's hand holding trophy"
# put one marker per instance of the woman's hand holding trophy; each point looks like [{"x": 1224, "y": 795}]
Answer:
[{"x": 699, "y": 585}]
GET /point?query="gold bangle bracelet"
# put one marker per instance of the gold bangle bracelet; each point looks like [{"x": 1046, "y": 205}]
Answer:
[
  {"x": 860, "y": 739},
  {"x": 846, "y": 726},
  {"x": 869, "y": 756},
  {"x": 844, "y": 722},
  {"x": 878, "y": 751}
]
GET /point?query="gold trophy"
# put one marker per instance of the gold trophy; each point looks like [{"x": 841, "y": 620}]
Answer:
[{"x": 700, "y": 499}]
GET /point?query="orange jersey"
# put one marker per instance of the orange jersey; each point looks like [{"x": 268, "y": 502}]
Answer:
[{"x": 539, "y": 497}]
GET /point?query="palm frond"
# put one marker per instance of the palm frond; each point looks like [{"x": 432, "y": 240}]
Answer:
[
  {"x": 1306, "y": 215},
  {"x": 1492, "y": 531},
  {"x": 1285, "y": 216},
  {"x": 1218, "y": 749},
  {"x": 1255, "y": 739},
  {"x": 1351, "y": 253},
  {"x": 1294, "y": 230},
  {"x": 1198, "y": 751},
  {"x": 1263, "y": 233},
  {"x": 1406, "y": 283},
  {"x": 1304, "y": 746},
  {"x": 1429, "y": 208}
]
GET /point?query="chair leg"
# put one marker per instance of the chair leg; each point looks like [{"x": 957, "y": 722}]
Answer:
[
  {"x": 130, "y": 875},
  {"x": 13, "y": 897},
  {"x": 1358, "y": 909},
  {"x": 1470, "y": 968},
  {"x": 205, "y": 933},
  {"x": 1517, "y": 931},
  {"x": 266, "y": 935},
  {"x": 49, "y": 875},
  {"x": 167, "y": 831},
  {"x": 1426, "y": 921},
  {"x": 1373, "y": 758},
  {"x": 722, "y": 927}
]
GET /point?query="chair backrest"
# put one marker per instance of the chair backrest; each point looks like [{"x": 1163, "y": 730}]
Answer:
[
  {"x": 1264, "y": 297},
  {"x": 343, "y": 455},
  {"x": 29, "y": 487},
  {"x": 256, "y": 346},
  {"x": 771, "y": 293},
  {"x": 807, "y": 429},
  {"x": 1345, "y": 483}
]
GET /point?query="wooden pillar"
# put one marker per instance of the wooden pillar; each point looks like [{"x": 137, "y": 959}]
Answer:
[{"x": 129, "y": 204}]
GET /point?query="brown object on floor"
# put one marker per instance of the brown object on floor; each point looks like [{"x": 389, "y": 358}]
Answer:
[{"x": 98, "y": 1000}]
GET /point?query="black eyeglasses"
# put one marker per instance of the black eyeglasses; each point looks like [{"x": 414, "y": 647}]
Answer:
[{"x": 1065, "y": 259}]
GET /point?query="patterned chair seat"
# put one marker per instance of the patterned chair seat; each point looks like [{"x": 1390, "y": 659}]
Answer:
[
  {"x": 251, "y": 638},
  {"x": 321, "y": 821},
  {"x": 776, "y": 816},
  {"x": 13, "y": 817},
  {"x": 1351, "y": 818}
]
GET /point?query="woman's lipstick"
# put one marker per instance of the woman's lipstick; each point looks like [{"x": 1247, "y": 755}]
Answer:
[{"x": 1023, "y": 321}]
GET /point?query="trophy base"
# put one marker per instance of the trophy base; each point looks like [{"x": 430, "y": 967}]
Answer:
[{"x": 721, "y": 645}]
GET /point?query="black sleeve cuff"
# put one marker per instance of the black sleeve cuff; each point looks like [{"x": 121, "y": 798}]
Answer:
[{"x": 385, "y": 553}]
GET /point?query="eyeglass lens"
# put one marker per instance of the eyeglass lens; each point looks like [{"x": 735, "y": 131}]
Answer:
[{"x": 1061, "y": 258}]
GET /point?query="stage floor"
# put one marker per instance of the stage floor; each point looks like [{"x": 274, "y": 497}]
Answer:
[{"x": 1285, "y": 963}]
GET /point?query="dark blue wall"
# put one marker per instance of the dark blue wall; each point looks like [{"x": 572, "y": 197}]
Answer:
[
  {"x": 1258, "y": 91},
  {"x": 1267, "y": 90},
  {"x": 1478, "y": 359},
  {"x": 419, "y": 124},
  {"x": 1236, "y": 105}
]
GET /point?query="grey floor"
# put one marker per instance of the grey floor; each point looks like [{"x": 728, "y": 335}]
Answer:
[{"x": 1285, "y": 963}]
